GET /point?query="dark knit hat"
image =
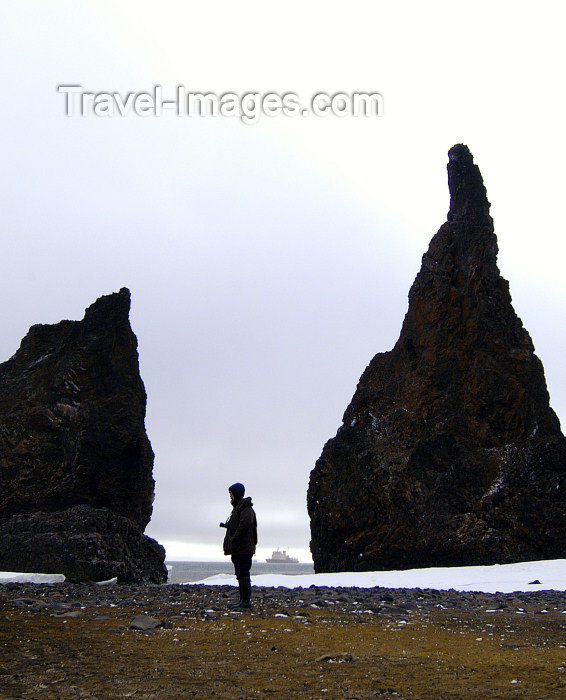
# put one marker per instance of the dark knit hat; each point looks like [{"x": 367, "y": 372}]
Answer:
[{"x": 238, "y": 490}]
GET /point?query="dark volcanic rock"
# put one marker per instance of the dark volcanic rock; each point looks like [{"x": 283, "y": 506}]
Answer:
[
  {"x": 449, "y": 453},
  {"x": 76, "y": 485},
  {"x": 84, "y": 543}
]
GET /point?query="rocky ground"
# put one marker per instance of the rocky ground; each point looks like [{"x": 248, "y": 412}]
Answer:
[{"x": 174, "y": 641}]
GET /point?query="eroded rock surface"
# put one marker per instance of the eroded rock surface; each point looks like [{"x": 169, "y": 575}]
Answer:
[
  {"x": 76, "y": 484},
  {"x": 449, "y": 453}
]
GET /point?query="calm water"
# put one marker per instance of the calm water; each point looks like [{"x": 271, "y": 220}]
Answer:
[{"x": 186, "y": 571}]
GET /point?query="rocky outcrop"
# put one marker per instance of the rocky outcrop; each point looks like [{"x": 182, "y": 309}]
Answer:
[
  {"x": 449, "y": 453},
  {"x": 76, "y": 484}
]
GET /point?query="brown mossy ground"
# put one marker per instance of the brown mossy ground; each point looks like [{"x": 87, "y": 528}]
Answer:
[{"x": 90, "y": 651}]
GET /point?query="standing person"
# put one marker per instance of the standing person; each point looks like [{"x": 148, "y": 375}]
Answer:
[{"x": 240, "y": 541}]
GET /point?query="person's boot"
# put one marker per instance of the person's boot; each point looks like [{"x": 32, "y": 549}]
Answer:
[
  {"x": 245, "y": 595},
  {"x": 238, "y": 603},
  {"x": 247, "y": 599}
]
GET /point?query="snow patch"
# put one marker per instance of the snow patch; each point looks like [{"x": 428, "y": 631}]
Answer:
[
  {"x": 502, "y": 578},
  {"x": 16, "y": 577}
]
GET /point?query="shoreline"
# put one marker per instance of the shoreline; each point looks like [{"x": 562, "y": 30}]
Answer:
[{"x": 322, "y": 595}]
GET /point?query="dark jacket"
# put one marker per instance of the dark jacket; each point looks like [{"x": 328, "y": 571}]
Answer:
[{"x": 241, "y": 534}]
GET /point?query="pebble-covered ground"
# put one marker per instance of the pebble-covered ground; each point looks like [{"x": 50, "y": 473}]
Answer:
[{"x": 176, "y": 641}]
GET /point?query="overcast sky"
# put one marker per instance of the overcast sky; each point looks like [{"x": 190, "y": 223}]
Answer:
[{"x": 269, "y": 262}]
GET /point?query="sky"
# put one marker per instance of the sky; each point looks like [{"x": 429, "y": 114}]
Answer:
[{"x": 268, "y": 262}]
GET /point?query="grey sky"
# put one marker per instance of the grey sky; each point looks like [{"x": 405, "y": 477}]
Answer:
[{"x": 269, "y": 263}]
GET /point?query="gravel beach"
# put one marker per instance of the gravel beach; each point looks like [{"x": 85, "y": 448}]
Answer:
[{"x": 169, "y": 641}]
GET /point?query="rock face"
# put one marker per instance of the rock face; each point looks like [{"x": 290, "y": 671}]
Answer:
[
  {"x": 449, "y": 453},
  {"x": 76, "y": 485}
]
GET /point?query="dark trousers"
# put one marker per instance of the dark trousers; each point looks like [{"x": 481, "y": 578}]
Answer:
[{"x": 242, "y": 565}]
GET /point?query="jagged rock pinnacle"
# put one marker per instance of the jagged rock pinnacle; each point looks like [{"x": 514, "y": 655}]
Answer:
[
  {"x": 468, "y": 198},
  {"x": 449, "y": 452},
  {"x": 76, "y": 483}
]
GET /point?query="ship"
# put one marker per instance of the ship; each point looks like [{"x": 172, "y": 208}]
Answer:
[{"x": 278, "y": 557}]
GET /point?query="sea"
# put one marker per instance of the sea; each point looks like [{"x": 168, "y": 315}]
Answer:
[{"x": 190, "y": 571}]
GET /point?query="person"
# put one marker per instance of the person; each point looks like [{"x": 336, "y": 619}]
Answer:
[{"x": 240, "y": 541}]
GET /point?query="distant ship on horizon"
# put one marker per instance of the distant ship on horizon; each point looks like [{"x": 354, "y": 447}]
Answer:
[{"x": 278, "y": 557}]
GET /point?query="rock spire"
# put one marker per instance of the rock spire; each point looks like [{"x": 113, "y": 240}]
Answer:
[
  {"x": 449, "y": 453},
  {"x": 76, "y": 484}
]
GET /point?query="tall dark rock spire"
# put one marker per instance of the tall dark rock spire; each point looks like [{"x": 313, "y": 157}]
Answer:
[
  {"x": 76, "y": 484},
  {"x": 449, "y": 453}
]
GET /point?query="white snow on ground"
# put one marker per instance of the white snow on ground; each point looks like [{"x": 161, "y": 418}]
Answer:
[
  {"x": 15, "y": 577},
  {"x": 504, "y": 578}
]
